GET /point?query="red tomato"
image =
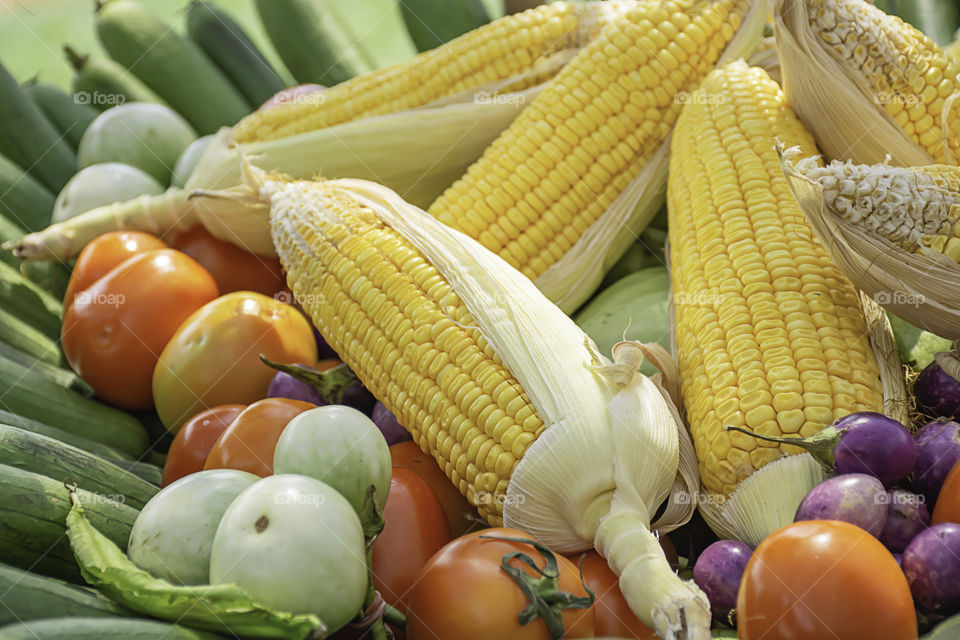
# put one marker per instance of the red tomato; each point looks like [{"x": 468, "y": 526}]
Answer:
[
  {"x": 114, "y": 332},
  {"x": 104, "y": 253},
  {"x": 461, "y": 516},
  {"x": 820, "y": 579},
  {"x": 195, "y": 439},
  {"x": 250, "y": 440},
  {"x": 233, "y": 268},
  {"x": 463, "y": 593},
  {"x": 613, "y": 615},
  {"x": 947, "y": 508},
  {"x": 415, "y": 528}
]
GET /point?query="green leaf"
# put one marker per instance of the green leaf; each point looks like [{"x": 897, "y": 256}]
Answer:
[
  {"x": 916, "y": 346},
  {"x": 221, "y": 608}
]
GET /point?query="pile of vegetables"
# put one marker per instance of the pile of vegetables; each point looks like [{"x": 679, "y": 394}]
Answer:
[{"x": 447, "y": 327}]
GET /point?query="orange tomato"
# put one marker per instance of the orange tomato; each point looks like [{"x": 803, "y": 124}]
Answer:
[
  {"x": 190, "y": 447},
  {"x": 113, "y": 334},
  {"x": 463, "y": 593},
  {"x": 613, "y": 615},
  {"x": 821, "y": 579},
  {"x": 947, "y": 507},
  {"x": 103, "y": 254},
  {"x": 214, "y": 357},
  {"x": 250, "y": 440},
  {"x": 415, "y": 528},
  {"x": 233, "y": 268},
  {"x": 461, "y": 516}
]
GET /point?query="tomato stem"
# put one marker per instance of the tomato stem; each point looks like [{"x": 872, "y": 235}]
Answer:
[{"x": 546, "y": 600}]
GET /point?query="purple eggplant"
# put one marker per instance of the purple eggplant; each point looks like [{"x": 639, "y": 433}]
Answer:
[
  {"x": 718, "y": 572},
  {"x": 937, "y": 392},
  {"x": 853, "y": 497},
  {"x": 388, "y": 425},
  {"x": 898, "y": 557},
  {"x": 324, "y": 350},
  {"x": 862, "y": 442},
  {"x": 338, "y": 385},
  {"x": 907, "y": 515},
  {"x": 931, "y": 563},
  {"x": 938, "y": 449}
]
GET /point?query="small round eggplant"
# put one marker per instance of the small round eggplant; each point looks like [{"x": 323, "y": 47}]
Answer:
[
  {"x": 862, "y": 442},
  {"x": 718, "y": 572},
  {"x": 907, "y": 515},
  {"x": 332, "y": 386},
  {"x": 285, "y": 385},
  {"x": 388, "y": 425},
  {"x": 324, "y": 350},
  {"x": 931, "y": 563},
  {"x": 853, "y": 497},
  {"x": 937, "y": 392},
  {"x": 938, "y": 449}
]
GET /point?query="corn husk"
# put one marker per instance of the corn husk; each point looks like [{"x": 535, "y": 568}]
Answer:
[
  {"x": 570, "y": 281},
  {"x": 922, "y": 288},
  {"x": 613, "y": 445},
  {"x": 418, "y": 152},
  {"x": 835, "y": 101}
]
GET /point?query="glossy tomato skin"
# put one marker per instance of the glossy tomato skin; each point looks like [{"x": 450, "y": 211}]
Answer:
[
  {"x": 415, "y": 528},
  {"x": 104, "y": 253},
  {"x": 113, "y": 333},
  {"x": 820, "y": 579},
  {"x": 460, "y": 515},
  {"x": 233, "y": 268},
  {"x": 613, "y": 616},
  {"x": 192, "y": 444},
  {"x": 214, "y": 357},
  {"x": 249, "y": 442},
  {"x": 462, "y": 593},
  {"x": 947, "y": 507}
]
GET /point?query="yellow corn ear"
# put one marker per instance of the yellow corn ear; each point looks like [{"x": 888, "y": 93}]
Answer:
[{"x": 770, "y": 336}]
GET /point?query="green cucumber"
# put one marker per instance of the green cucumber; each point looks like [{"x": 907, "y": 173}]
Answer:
[
  {"x": 169, "y": 64},
  {"x": 70, "y": 116},
  {"x": 27, "y": 596},
  {"x": 28, "y": 301},
  {"x": 51, "y": 277},
  {"x": 310, "y": 40},
  {"x": 25, "y": 201},
  {"x": 144, "y": 470},
  {"x": 60, "y": 461},
  {"x": 633, "y": 308},
  {"x": 30, "y": 394},
  {"x": 61, "y": 375},
  {"x": 431, "y": 23},
  {"x": 106, "y": 452},
  {"x": 33, "y": 514},
  {"x": 84, "y": 628},
  {"x": 231, "y": 49},
  {"x": 23, "y": 337},
  {"x": 102, "y": 83},
  {"x": 31, "y": 141}
]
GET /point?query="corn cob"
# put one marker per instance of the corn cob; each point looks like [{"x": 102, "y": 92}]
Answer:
[
  {"x": 915, "y": 208},
  {"x": 511, "y": 398},
  {"x": 486, "y": 56},
  {"x": 550, "y": 177},
  {"x": 439, "y": 101},
  {"x": 769, "y": 334},
  {"x": 867, "y": 84},
  {"x": 893, "y": 231}
]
